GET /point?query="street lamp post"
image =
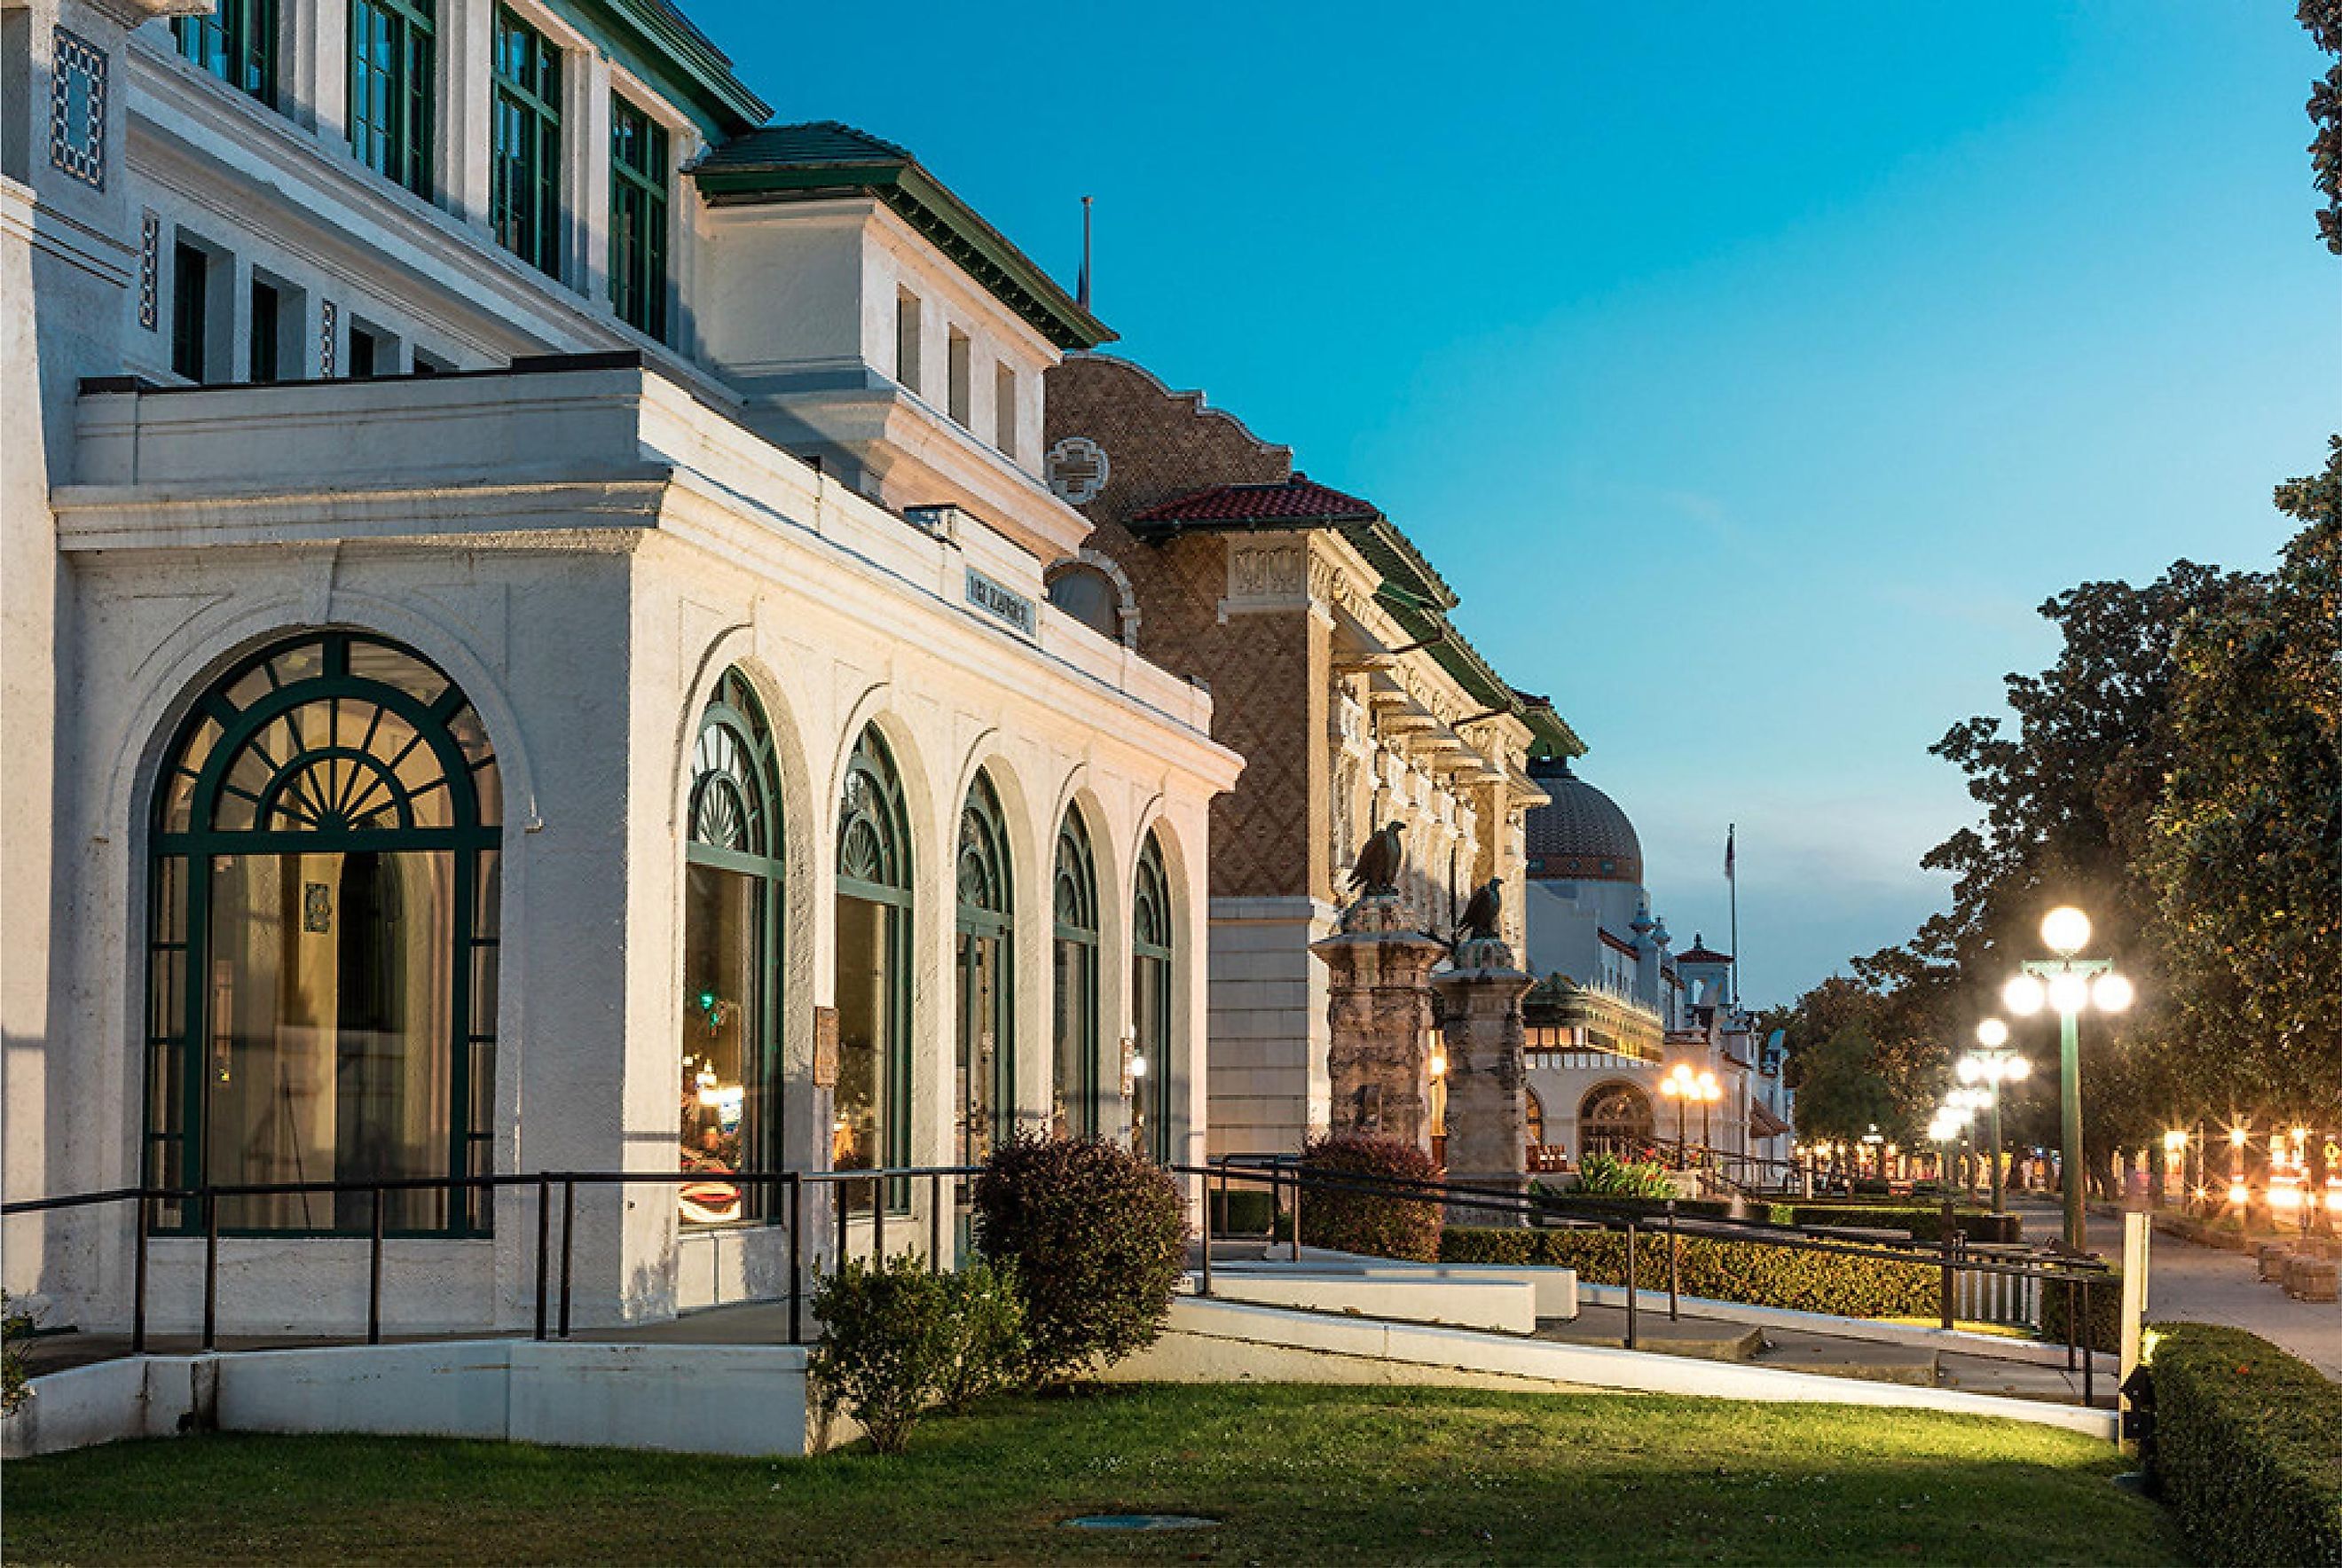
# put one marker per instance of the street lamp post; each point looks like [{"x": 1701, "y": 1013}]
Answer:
[
  {"x": 1677, "y": 1086},
  {"x": 1992, "y": 1066},
  {"x": 2069, "y": 984}
]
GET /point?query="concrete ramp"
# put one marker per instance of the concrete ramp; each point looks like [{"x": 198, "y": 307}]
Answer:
[{"x": 1221, "y": 1341}]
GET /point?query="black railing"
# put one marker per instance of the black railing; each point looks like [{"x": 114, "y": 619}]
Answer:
[
  {"x": 1286, "y": 1176},
  {"x": 554, "y": 1278}
]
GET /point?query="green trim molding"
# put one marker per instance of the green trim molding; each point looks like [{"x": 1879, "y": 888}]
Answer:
[{"x": 659, "y": 43}]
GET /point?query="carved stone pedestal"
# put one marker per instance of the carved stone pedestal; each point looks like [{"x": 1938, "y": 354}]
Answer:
[
  {"x": 1487, "y": 1091},
  {"x": 1379, "y": 1010}
]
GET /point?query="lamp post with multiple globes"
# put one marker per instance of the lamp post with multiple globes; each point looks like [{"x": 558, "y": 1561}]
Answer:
[
  {"x": 1686, "y": 1084},
  {"x": 1993, "y": 1064},
  {"x": 2069, "y": 984}
]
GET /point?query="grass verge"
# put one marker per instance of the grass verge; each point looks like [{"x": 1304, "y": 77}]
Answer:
[{"x": 1294, "y": 1474}]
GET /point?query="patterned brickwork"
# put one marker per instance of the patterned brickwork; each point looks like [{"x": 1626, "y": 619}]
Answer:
[{"x": 1266, "y": 669}]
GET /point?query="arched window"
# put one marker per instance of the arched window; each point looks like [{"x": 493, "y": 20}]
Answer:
[
  {"x": 1536, "y": 1119},
  {"x": 1089, "y": 596},
  {"x": 322, "y": 955},
  {"x": 873, "y": 1122},
  {"x": 1073, "y": 1076},
  {"x": 732, "y": 908},
  {"x": 986, "y": 1083},
  {"x": 1613, "y": 1119},
  {"x": 1150, "y": 1005}
]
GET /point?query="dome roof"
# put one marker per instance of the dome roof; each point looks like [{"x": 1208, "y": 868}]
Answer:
[{"x": 1581, "y": 835}]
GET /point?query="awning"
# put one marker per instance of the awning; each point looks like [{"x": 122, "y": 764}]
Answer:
[{"x": 1763, "y": 1124}]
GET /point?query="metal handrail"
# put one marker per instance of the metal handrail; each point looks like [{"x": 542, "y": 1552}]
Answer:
[{"x": 1950, "y": 1255}]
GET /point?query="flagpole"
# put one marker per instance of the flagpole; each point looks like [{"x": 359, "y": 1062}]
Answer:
[{"x": 1732, "y": 881}]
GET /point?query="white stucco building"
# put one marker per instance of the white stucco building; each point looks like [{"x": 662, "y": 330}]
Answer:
[
  {"x": 526, "y": 649},
  {"x": 1617, "y": 1010}
]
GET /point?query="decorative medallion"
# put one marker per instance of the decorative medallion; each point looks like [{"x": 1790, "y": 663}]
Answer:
[
  {"x": 1079, "y": 470},
  {"x": 329, "y": 322},
  {"x": 77, "y": 109}
]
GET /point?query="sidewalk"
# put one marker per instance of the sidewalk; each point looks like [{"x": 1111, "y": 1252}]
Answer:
[{"x": 2192, "y": 1284}]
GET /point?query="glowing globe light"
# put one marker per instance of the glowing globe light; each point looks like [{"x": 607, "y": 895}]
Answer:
[
  {"x": 2016, "y": 1067},
  {"x": 2111, "y": 993},
  {"x": 1969, "y": 1070},
  {"x": 2239, "y": 1194},
  {"x": 2065, "y": 930},
  {"x": 2068, "y": 992},
  {"x": 1992, "y": 1034},
  {"x": 2025, "y": 995}
]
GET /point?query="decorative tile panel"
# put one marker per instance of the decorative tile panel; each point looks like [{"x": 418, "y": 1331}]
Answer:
[
  {"x": 329, "y": 322},
  {"x": 150, "y": 271},
  {"x": 77, "y": 108}
]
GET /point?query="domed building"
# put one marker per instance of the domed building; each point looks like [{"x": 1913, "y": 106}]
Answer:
[{"x": 1615, "y": 1011}]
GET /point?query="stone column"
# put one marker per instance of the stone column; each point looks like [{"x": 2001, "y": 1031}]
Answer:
[
  {"x": 1487, "y": 1094},
  {"x": 1379, "y": 1012}
]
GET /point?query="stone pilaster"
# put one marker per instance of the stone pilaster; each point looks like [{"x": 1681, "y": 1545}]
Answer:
[
  {"x": 1488, "y": 1097},
  {"x": 1378, "y": 1011}
]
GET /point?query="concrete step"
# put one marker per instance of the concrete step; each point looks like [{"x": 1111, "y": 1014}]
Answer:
[
  {"x": 1701, "y": 1339},
  {"x": 1850, "y": 1358}
]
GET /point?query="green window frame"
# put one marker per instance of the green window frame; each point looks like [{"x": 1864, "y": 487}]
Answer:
[
  {"x": 190, "y": 310},
  {"x": 1074, "y": 919},
  {"x": 639, "y": 219},
  {"x": 987, "y": 974},
  {"x": 236, "y": 42},
  {"x": 335, "y": 743},
  {"x": 736, "y": 831},
  {"x": 874, "y": 867},
  {"x": 1152, "y": 966},
  {"x": 392, "y": 67},
  {"x": 525, "y": 166}
]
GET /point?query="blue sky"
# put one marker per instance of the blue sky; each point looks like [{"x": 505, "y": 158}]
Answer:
[{"x": 1752, "y": 371}]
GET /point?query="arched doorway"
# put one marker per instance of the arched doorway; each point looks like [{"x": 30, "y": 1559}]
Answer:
[
  {"x": 732, "y": 910},
  {"x": 1150, "y": 1005},
  {"x": 872, "y": 1124},
  {"x": 1613, "y": 1119},
  {"x": 321, "y": 941},
  {"x": 1074, "y": 917}
]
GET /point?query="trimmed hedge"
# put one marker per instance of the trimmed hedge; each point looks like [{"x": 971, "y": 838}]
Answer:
[
  {"x": 1715, "y": 1268},
  {"x": 1685, "y": 1208},
  {"x": 2103, "y": 1331},
  {"x": 1243, "y": 1211},
  {"x": 1921, "y": 1222},
  {"x": 2248, "y": 1448}
]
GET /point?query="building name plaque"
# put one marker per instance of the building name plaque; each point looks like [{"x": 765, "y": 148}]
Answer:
[{"x": 1002, "y": 603}]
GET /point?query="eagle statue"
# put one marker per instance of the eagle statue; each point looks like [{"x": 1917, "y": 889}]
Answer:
[
  {"x": 1481, "y": 916},
  {"x": 1375, "y": 871}
]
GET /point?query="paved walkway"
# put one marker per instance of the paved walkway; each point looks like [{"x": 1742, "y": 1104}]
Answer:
[{"x": 2192, "y": 1284}]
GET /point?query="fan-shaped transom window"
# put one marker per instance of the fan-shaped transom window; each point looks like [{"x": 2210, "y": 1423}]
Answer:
[
  {"x": 322, "y": 951},
  {"x": 1074, "y": 1066},
  {"x": 986, "y": 1080},
  {"x": 732, "y": 912},
  {"x": 873, "y": 977},
  {"x": 1613, "y": 1119},
  {"x": 1150, "y": 999}
]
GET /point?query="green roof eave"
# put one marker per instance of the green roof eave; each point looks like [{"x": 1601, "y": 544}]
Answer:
[
  {"x": 654, "y": 43},
  {"x": 1393, "y": 556},
  {"x": 1424, "y": 618},
  {"x": 924, "y": 202}
]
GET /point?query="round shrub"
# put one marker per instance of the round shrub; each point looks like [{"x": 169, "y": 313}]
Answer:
[
  {"x": 1380, "y": 1224},
  {"x": 888, "y": 1346},
  {"x": 1096, "y": 1238}
]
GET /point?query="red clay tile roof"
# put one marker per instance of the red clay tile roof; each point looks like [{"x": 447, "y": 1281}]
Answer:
[
  {"x": 1295, "y": 503},
  {"x": 1700, "y": 952}
]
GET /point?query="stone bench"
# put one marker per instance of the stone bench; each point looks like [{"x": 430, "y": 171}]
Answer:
[{"x": 2272, "y": 1255}]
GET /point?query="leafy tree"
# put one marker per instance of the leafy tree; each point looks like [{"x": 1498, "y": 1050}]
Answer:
[
  {"x": 2246, "y": 852},
  {"x": 2324, "y": 20},
  {"x": 1841, "y": 1096}
]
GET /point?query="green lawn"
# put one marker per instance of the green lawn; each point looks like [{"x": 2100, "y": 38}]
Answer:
[{"x": 1297, "y": 1474}]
